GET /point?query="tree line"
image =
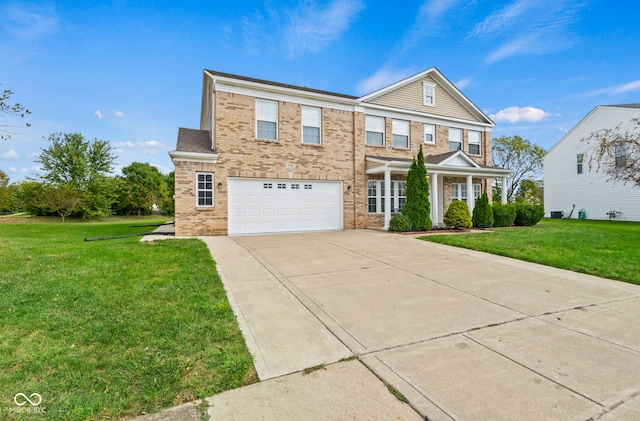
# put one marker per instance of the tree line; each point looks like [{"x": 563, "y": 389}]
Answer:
[{"x": 77, "y": 180}]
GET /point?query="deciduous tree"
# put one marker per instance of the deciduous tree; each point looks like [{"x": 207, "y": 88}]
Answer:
[
  {"x": 85, "y": 165},
  {"x": 6, "y": 109},
  {"x": 143, "y": 186},
  {"x": 62, "y": 199},
  {"x": 617, "y": 152},
  {"x": 519, "y": 155}
]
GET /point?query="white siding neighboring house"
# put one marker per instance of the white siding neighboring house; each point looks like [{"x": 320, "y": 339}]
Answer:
[{"x": 566, "y": 184}]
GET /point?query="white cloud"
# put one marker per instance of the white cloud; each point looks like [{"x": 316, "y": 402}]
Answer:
[
  {"x": 10, "y": 155},
  {"x": 517, "y": 114},
  {"x": 126, "y": 144},
  {"x": 13, "y": 169},
  {"x": 98, "y": 114},
  {"x": 119, "y": 114},
  {"x": 28, "y": 21},
  {"x": 527, "y": 27},
  {"x": 383, "y": 77},
  {"x": 628, "y": 87},
  {"x": 463, "y": 83},
  {"x": 312, "y": 27},
  {"x": 151, "y": 147}
]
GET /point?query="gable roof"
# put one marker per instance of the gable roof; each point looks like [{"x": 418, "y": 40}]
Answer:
[
  {"x": 443, "y": 82},
  {"x": 585, "y": 118}
]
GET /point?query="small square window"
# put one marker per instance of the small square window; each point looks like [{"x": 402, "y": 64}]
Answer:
[
  {"x": 282, "y": 186},
  {"x": 267, "y": 186},
  {"x": 308, "y": 186},
  {"x": 295, "y": 187}
]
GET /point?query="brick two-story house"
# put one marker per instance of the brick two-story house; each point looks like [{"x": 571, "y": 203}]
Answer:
[{"x": 271, "y": 157}]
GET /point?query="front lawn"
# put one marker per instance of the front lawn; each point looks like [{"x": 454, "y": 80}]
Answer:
[
  {"x": 112, "y": 329},
  {"x": 608, "y": 249}
]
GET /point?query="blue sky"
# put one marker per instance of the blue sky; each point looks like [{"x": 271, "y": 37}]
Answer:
[{"x": 131, "y": 71}]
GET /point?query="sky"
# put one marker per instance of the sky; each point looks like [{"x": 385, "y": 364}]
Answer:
[{"x": 130, "y": 72}]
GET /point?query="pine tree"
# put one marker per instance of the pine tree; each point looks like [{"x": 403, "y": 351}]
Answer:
[
  {"x": 417, "y": 207},
  {"x": 483, "y": 213}
]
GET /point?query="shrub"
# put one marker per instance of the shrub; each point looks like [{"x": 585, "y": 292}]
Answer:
[
  {"x": 400, "y": 223},
  {"x": 458, "y": 216},
  {"x": 503, "y": 215},
  {"x": 527, "y": 215},
  {"x": 482, "y": 213}
]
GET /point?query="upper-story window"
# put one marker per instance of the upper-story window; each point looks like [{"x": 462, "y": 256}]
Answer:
[
  {"x": 455, "y": 139},
  {"x": 311, "y": 123},
  {"x": 620, "y": 152},
  {"x": 375, "y": 130},
  {"x": 430, "y": 134},
  {"x": 266, "y": 119},
  {"x": 428, "y": 94},
  {"x": 580, "y": 159},
  {"x": 474, "y": 143},
  {"x": 400, "y": 130}
]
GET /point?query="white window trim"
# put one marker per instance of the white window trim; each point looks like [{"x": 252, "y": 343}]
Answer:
[
  {"x": 367, "y": 117},
  {"x": 428, "y": 86},
  {"x": 459, "y": 189},
  {"x": 213, "y": 190},
  {"x": 319, "y": 126},
  {"x": 479, "y": 142},
  {"x": 433, "y": 134},
  {"x": 395, "y": 199},
  {"x": 256, "y": 119},
  {"x": 395, "y": 129}
]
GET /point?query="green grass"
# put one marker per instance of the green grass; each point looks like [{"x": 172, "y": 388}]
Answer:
[
  {"x": 603, "y": 248},
  {"x": 112, "y": 329}
]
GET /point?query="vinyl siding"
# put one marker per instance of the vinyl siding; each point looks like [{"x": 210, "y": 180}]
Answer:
[
  {"x": 590, "y": 191},
  {"x": 410, "y": 97}
]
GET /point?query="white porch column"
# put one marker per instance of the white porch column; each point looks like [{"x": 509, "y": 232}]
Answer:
[
  {"x": 433, "y": 193},
  {"x": 471, "y": 201},
  {"x": 503, "y": 197},
  {"x": 387, "y": 198}
]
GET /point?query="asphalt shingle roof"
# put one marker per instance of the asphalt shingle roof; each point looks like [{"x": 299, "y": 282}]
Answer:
[{"x": 191, "y": 140}]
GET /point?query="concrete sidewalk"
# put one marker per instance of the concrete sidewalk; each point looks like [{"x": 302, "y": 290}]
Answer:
[{"x": 462, "y": 335}]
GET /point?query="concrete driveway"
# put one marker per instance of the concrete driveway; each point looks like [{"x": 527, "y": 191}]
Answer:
[{"x": 463, "y": 335}]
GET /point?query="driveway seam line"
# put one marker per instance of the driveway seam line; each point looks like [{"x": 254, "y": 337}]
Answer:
[{"x": 533, "y": 371}]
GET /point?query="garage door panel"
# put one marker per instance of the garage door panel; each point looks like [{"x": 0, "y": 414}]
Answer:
[{"x": 312, "y": 206}]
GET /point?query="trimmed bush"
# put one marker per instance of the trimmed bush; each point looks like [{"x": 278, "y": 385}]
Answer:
[
  {"x": 482, "y": 213},
  {"x": 458, "y": 216},
  {"x": 528, "y": 215},
  {"x": 503, "y": 215},
  {"x": 400, "y": 223}
]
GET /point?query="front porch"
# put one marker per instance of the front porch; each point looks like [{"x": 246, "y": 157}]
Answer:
[{"x": 452, "y": 176}]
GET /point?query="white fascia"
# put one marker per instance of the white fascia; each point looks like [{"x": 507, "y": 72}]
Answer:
[{"x": 210, "y": 158}]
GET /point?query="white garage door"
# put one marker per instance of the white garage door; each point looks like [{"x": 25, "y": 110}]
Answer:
[{"x": 258, "y": 205}]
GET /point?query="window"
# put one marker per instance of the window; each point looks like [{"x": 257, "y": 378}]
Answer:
[
  {"x": 267, "y": 186},
  {"x": 295, "y": 187},
  {"x": 455, "y": 139},
  {"x": 580, "y": 159},
  {"x": 400, "y": 130},
  {"x": 375, "y": 192},
  {"x": 375, "y": 130},
  {"x": 474, "y": 143},
  {"x": 204, "y": 189},
  {"x": 266, "y": 119},
  {"x": 620, "y": 152},
  {"x": 460, "y": 191},
  {"x": 430, "y": 134},
  {"x": 429, "y": 94},
  {"x": 308, "y": 186},
  {"x": 311, "y": 121},
  {"x": 282, "y": 186}
]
